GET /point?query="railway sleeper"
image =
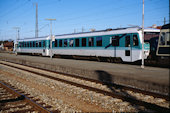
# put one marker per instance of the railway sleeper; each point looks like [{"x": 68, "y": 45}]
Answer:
[{"x": 13, "y": 107}]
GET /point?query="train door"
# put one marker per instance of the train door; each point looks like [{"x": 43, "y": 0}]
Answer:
[
  {"x": 135, "y": 47},
  {"x": 45, "y": 45},
  {"x": 128, "y": 47}
]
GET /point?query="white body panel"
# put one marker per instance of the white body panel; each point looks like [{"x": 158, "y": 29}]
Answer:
[
  {"x": 44, "y": 52},
  {"x": 135, "y": 54},
  {"x": 102, "y": 53}
]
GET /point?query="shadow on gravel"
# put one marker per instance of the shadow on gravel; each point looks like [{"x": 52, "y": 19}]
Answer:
[
  {"x": 13, "y": 100},
  {"x": 3, "y": 102},
  {"x": 108, "y": 80}
]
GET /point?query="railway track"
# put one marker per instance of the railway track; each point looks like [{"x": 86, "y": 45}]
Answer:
[
  {"x": 14, "y": 100},
  {"x": 124, "y": 97},
  {"x": 111, "y": 85}
]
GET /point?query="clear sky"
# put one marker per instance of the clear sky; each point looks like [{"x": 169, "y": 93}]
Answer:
[{"x": 77, "y": 14}]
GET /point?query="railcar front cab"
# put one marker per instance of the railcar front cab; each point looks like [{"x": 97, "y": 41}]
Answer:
[
  {"x": 33, "y": 46},
  {"x": 133, "y": 47},
  {"x": 163, "y": 48},
  {"x": 148, "y": 33}
]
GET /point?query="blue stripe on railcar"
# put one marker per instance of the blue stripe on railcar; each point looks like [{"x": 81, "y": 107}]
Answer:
[
  {"x": 39, "y": 44},
  {"x": 105, "y": 42}
]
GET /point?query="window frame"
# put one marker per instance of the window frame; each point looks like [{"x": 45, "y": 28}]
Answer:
[
  {"x": 115, "y": 41},
  {"x": 99, "y": 41},
  {"x": 60, "y": 43},
  {"x": 127, "y": 42},
  {"x": 71, "y": 42},
  {"x": 84, "y": 42},
  {"x": 56, "y": 43},
  {"x": 30, "y": 44},
  {"x": 91, "y": 43},
  {"x": 135, "y": 41},
  {"x": 36, "y": 43},
  {"x": 65, "y": 43},
  {"x": 39, "y": 44},
  {"x": 77, "y": 42}
]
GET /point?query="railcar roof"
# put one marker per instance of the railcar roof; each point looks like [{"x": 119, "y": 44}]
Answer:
[
  {"x": 107, "y": 32},
  {"x": 166, "y": 26},
  {"x": 34, "y": 39},
  {"x": 95, "y": 33}
]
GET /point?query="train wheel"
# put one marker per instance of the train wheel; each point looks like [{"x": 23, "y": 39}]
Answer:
[
  {"x": 110, "y": 60},
  {"x": 98, "y": 59}
]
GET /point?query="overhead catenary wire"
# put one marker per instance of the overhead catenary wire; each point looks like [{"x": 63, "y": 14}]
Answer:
[
  {"x": 14, "y": 9},
  {"x": 107, "y": 12}
]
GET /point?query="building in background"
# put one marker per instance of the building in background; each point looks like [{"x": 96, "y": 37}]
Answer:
[{"x": 7, "y": 45}]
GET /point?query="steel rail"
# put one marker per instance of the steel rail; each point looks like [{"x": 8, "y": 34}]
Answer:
[
  {"x": 20, "y": 96},
  {"x": 113, "y": 85},
  {"x": 132, "y": 100}
]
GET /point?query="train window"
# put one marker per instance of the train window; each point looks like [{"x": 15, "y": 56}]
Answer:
[
  {"x": 77, "y": 42},
  {"x": 167, "y": 35},
  {"x": 19, "y": 45},
  {"x": 98, "y": 41},
  {"x": 36, "y": 44},
  {"x": 30, "y": 44},
  {"x": 40, "y": 44},
  {"x": 65, "y": 42},
  {"x": 71, "y": 42},
  {"x": 165, "y": 40},
  {"x": 115, "y": 40},
  {"x": 162, "y": 40},
  {"x": 127, "y": 41},
  {"x": 55, "y": 44},
  {"x": 83, "y": 42},
  {"x": 43, "y": 43},
  {"x": 135, "y": 40},
  {"x": 25, "y": 44},
  {"x": 60, "y": 43},
  {"x": 91, "y": 42},
  {"x": 149, "y": 35}
]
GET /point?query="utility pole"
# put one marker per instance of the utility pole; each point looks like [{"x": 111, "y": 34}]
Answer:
[
  {"x": 36, "y": 25},
  {"x": 164, "y": 20},
  {"x": 142, "y": 66},
  {"x": 50, "y": 35},
  {"x": 17, "y": 33},
  {"x": 74, "y": 30},
  {"x": 82, "y": 29}
]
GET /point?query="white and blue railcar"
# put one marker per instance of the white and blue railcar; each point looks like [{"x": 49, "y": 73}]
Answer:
[
  {"x": 124, "y": 43},
  {"x": 40, "y": 45}
]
